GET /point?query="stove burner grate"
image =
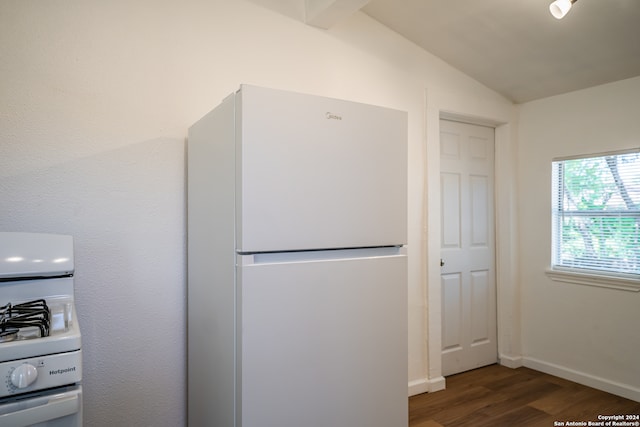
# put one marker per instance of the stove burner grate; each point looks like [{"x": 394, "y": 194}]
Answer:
[
  {"x": 8, "y": 334},
  {"x": 31, "y": 314}
]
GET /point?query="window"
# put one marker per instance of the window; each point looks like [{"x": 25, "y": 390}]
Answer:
[{"x": 596, "y": 215}]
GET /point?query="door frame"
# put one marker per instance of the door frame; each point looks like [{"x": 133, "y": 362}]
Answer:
[{"x": 507, "y": 289}]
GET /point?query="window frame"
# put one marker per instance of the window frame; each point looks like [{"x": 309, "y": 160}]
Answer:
[{"x": 577, "y": 275}]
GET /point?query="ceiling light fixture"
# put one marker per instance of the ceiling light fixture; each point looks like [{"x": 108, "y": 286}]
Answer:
[{"x": 559, "y": 8}]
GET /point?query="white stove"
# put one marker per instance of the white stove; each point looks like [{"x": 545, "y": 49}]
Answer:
[{"x": 40, "y": 342}]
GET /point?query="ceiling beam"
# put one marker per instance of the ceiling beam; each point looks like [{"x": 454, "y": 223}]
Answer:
[{"x": 326, "y": 13}]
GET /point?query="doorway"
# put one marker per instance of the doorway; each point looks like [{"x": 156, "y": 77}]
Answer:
[{"x": 467, "y": 247}]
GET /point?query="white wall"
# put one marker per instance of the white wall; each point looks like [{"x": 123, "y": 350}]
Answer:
[
  {"x": 95, "y": 101},
  {"x": 588, "y": 334}
]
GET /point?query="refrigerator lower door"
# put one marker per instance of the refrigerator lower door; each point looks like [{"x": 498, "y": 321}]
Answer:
[{"x": 323, "y": 342}]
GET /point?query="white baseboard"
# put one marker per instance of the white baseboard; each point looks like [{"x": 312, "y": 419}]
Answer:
[
  {"x": 426, "y": 385},
  {"x": 418, "y": 387},
  {"x": 510, "y": 362},
  {"x": 437, "y": 384},
  {"x": 613, "y": 387}
]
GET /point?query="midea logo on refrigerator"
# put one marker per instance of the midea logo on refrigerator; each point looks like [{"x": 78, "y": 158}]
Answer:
[{"x": 331, "y": 116}]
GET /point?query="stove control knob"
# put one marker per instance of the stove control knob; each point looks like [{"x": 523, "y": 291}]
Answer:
[{"x": 24, "y": 375}]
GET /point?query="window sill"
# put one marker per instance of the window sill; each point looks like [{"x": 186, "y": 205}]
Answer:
[{"x": 601, "y": 281}]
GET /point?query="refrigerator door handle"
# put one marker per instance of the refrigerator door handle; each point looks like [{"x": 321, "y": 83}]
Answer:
[{"x": 319, "y": 255}]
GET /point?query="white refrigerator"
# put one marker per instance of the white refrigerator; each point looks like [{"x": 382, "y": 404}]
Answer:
[{"x": 297, "y": 268}]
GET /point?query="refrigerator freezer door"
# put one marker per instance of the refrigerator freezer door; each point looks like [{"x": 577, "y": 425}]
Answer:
[
  {"x": 318, "y": 173},
  {"x": 323, "y": 343}
]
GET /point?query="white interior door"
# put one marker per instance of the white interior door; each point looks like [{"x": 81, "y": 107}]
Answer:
[{"x": 467, "y": 247}]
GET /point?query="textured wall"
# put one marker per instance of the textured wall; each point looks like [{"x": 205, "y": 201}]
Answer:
[
  {"x": 95, "y": 101},
  {"x": 586, "y": 332}
]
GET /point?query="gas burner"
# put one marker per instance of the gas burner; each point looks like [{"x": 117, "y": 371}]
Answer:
[{"x": 32, "y": 317}]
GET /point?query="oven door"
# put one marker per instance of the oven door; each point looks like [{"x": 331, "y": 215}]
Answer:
[{"x": 52, "y": 408}]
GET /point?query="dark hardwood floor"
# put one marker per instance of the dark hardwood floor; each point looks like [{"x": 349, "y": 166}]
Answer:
[{"x": 497, "y": 396}]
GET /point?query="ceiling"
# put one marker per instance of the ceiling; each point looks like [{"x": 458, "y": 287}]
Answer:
[{"x": 516, "y": 47}]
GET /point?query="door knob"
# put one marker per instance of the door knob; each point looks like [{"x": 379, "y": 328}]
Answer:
[{"x": 441, "y": 262}]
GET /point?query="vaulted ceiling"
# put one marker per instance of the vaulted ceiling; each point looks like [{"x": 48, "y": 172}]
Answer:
[{"x": 514, "y": 47}]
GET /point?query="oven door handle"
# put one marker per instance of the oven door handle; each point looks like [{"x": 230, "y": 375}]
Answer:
[{"x": 56, "y": 407}]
